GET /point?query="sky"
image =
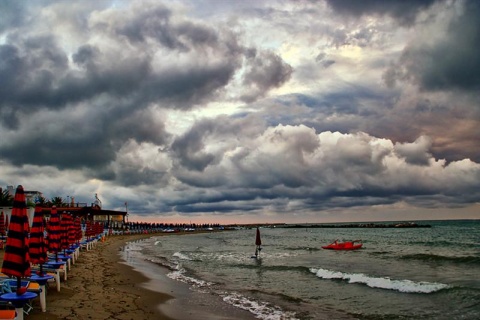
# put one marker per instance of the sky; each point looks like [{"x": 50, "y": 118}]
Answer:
[{"x": 245, "y": 111}]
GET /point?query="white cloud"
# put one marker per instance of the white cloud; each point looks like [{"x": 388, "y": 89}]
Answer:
[{"x": 248, "y": 108}]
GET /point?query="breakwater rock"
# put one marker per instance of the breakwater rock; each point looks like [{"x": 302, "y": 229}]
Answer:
[{"x": 361, "y": 225}]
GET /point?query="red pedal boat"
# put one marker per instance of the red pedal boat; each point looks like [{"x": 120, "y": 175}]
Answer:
[{"x": 348, "y": 245}]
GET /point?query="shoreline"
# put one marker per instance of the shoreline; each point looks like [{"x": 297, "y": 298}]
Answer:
[
  {"x": 184, "y": 302},
  {"x": 100, "y": 286},
  {"x": 104, "y": 283}
]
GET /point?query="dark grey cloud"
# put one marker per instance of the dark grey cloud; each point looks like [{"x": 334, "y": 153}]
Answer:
[
  {"x": 265, "y": 70},
  {"x": 450, "y": 63},
  {"x": 323, "y": 60},
  {"x": 404, "y": 11},
  {"x": 29, "y": 72},
  {"x": 126, "y": 100},
  {"x": 12, "y": 14},
  {"x": 191, "y": 150},
  {"x": 151, "y": 59},
  {"x": 37, "y": 73},
  {"x": 415, "y": 153}
]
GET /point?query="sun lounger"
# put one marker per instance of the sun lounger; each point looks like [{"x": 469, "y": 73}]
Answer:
[{"x": 7, "y": 314}]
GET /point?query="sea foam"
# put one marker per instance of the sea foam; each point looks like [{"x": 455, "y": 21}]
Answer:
[
  {"x": 181, "y": 256},
  {"x": 261, "y": 310},
  {"x": 179, "y": 275},
  {"x": 406, "y": 286}
]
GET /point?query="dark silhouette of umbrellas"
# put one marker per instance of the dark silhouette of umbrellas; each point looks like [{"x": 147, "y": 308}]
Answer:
[
  {"x": 38, "y": 247},
  {"x": 72, "y": 234},
  {"x": 78, "y": 229},
  {"x": 64, "y": 225},
  {"x": 54, "y": 232},
  {"x": 258, "y": 243},
  {"x": 16, "y": 261},
  {"x": 2, "y": 224},
  {"x": 89, "y": 229},
  {"x": 98, "y": 229},
  {"x": 68, "y": 236}
]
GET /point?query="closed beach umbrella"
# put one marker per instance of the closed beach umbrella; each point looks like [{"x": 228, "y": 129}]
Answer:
[
  {"x": 72, "y": 234},
  {"x": 89, "y": 229},
  {"x": 16, "y": 261},
  {"x": 69, "y": 231},
  {"x": 64, "y": 225},
  {"x": 6, "y": 223},
  {"x": 258, "y": 241},
  {"x": 2, "y": 224},
  {"x": 38, "y": 247},
  {"x": 54, "y": 232},
  {"x": 97, "y": 229},
  {"x": 3, "y": 230},
  {"x": 78, "y": 229}
]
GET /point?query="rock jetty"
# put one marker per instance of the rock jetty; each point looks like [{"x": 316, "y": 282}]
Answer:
[{"x": 361, "y": 225}]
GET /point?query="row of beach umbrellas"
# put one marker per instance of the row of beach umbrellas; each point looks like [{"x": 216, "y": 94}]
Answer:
[{"x": 25, "y": 245}]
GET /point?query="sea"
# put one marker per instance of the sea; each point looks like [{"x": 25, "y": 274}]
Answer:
[{"x": 400, "y": 273}]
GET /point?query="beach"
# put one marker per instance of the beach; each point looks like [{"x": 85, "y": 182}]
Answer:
[{"x": 99, "y": 287}]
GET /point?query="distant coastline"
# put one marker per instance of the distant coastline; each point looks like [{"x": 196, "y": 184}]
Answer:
[{"x": 361, "y": 225}]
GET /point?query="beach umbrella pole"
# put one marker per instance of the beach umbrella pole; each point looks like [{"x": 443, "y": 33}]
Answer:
[{"x": 19, "y": 284}]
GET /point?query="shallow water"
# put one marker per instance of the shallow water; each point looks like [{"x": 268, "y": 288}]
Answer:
[{"x": 412, "y": 273}]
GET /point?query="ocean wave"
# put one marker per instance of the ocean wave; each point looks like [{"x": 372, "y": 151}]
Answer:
[
  {"x": 164, "y": 262},
  {"x": 302, "y": 249},
  {"x": 379, "y": 253},
  {"x": 440, "y": 258},
  {"x": 180, "y": 275},
  {"x": 181, "y": 256},
  {"x": 273, "y": 267},
  {"x": 286, "y": 268},
  {"x": 405, "y": 286},
  {"x": 261, "y": 310}
]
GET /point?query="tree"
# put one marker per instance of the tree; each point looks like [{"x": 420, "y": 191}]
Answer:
[
  {"x": 57, "y": 201},
  {"x": 6, "y": 200},
  {"x": 42, "y": 200}
]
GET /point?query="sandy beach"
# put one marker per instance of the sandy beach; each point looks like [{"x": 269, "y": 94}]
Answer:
[{"x": 99, "y": 287}]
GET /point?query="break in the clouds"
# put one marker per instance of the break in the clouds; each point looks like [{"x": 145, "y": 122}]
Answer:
[{"x": 280, "y": 110}]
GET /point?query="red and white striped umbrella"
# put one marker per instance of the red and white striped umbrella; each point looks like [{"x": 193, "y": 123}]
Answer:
[
  {"x": 38, "y": 246},
  {"x": 16, "y": 261},
  {"x": 54, "y": 231}
]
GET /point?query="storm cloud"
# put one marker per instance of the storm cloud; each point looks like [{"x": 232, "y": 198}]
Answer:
[{"x": 255, "y": 110}]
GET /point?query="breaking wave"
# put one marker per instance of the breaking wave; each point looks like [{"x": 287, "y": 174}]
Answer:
[
  {"x": 261, "y": 310},
  {"x": 439, "y": 258},
  {"x": 405, "y": 286}
]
